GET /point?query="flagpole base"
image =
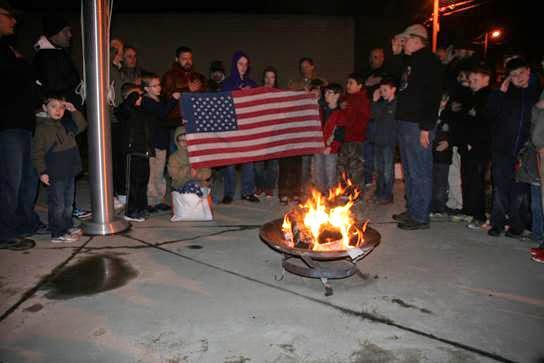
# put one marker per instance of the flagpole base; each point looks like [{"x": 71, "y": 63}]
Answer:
[{"x": 101, "y": 229}]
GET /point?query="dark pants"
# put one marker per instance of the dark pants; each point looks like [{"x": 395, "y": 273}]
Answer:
[
  {"x": 369, "y": 151},
  {"x": 289, "y": 176},
  {"x": 509, "y": 197},
  {"x": 60, "y": 197},
  {"x": 118, "y": 161},
  {"x": 18, "y": 184},
  {"x": 440, "y": 187},
  {"x": 417, "y": 166},
  {"x": 266, "y": 175},
  {"x": 350, "y": 163},
  {"x": 138, "y": 178},
  {"x": 473, "y": 187},
  {"x": 385, "y": 172}
]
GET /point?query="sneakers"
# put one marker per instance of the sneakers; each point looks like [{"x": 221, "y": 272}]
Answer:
[
  {"x": 75, "y": 231},
  {"x": 538, "y": 257},
  {"x": 133, "y": 218},
  {"x": 476, "y": 225},
  {"x": 226, "y": 200},
  {"x": 260, "y": 192},
  {"x": 163, "y": 207},
  {"x": 269, "y": 194},
  {"x": 65, "y": 238},
  {"x": 412, "y": 225},
  {"x": 536, "y": 250},
  {"x": 251, "y": 198},
  {"x": 17, "y": 244},
  {"x": 401, "y": 217},
  {"x": 81, "y": 213},
  {"x": 438, "y": 216}
]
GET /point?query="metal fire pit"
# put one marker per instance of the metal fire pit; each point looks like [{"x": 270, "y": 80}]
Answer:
[{"x": 323, "y": 265}]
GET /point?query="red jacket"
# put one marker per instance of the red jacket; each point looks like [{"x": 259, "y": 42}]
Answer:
[
  {"x": 357, "y": 113},
  {"x": 336, "y": 119}
]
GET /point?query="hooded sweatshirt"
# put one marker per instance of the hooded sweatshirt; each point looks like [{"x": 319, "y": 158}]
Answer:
[
  {"x": 235, "y": 82},
  {"x": 56, "y": 70},
  {"x": 179, "y": 167}
]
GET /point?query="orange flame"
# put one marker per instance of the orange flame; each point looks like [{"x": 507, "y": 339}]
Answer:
[{"x": 321, "y": 213}]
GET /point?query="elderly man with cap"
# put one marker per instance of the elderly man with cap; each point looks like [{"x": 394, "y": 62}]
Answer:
[
  {"x": 19, "y": 98},
  {"x": 56, "y": 70},
  {"x": 418, "y": 100}
]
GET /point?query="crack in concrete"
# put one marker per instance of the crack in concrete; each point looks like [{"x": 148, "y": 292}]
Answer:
[
  {"x": 363, "y": 315},
  {"x": 30, "y": 292}
]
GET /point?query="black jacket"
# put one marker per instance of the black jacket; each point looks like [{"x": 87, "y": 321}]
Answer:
[
  {"x": 136, "y": 128},
  {"x": 162, "y": 125},
  {"x": 420, "y": 89},
  {"x": 477, "y": 131},
  {"x": 383, "y": 114},
  {"x": 57, "y": 73},
  {"x": 19, "y": 95},
  {"x": 510, "y": 114}
]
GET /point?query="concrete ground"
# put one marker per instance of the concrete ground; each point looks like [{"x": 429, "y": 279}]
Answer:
[{"x": 207, "y": 292}]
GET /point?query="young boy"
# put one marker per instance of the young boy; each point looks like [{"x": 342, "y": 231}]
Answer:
[
  {"x": 158, "y": 109},
  {"x": 356, "y": 109},
  {"x": 55, "y": 156},
  {"x": 324, "y": 165},
  {"x": 385, "y": 138},
  {"x": 136, "y": 148},
  {"x": 179, "y": 168}
]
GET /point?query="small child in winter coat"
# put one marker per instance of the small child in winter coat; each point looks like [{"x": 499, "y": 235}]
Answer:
[
  {"x": 324, "y": 165},
  {"x": 385, "y": 139},
  {"x": 137, "y": 148},
  {"x": 55, "y": 156},
  {"x": 179, "y": 168}
]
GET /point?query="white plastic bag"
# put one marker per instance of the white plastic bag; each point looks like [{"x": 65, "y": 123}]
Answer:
[{"x": 190, "y": 207}]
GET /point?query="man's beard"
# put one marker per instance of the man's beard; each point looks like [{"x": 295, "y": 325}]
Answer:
[{"x": 187, "y": 67}]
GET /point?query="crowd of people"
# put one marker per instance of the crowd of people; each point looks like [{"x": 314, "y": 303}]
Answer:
[{"x": 442, "y": 114}]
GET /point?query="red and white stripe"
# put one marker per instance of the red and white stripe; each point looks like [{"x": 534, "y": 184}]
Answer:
[{"x": 272, "y": 124}]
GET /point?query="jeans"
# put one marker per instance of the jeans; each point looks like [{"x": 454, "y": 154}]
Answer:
[
  {"x": 538, "y": 215},
  {"x": 440, "y": 187},
  {"x": 18, "y": 184},
  {"x": 60, "y": 196},
  {"x": 509, "y": 197},
  {"x": 369, "y": 152},
  {"x": 324, "y": 171},
  {"x": 385, "y": 172},
  {"x": 248, "y": 180},
  {"x": 266, "y": 175},
  {"x": 417, "y": 165}
]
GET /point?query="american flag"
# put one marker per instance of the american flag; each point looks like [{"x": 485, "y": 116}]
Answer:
[{"x": 228, "y": 128}]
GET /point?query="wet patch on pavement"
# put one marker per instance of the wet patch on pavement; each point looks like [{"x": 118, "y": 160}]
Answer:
[{"x": 90, "y": 276}]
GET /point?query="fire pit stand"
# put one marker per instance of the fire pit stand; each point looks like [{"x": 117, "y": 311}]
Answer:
[{"x": 323, "y": 265}]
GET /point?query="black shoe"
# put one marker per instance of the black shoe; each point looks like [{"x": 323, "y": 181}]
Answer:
[
  {"x": 494, "y": 232},
  {"x": 17, "y": 244},
  {"x": 401, "y": 217},
  {"x": 512, "y": 234},
  {"x": 162, "y": 207},
  {"x": 251, "y": 198},
  {"x": 227, "y": 200},
  {"x": 151, "y": 209},
  {"x": 411, "y": 225}
]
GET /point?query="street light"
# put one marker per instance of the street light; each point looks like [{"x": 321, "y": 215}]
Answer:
[{"x": 494, "y": 35}]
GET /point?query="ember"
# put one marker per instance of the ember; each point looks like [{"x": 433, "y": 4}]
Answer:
[{"x": 325, "y": 223}]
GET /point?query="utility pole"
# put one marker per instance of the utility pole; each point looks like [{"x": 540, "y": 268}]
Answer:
[{"x": 436, "y": 25}]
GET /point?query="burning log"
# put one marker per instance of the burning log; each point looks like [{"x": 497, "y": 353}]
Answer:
[
  {"x": 302, "y": 238},
  {"x": 329, "y": 233}
]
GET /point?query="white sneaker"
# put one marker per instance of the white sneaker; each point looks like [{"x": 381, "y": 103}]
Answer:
[
  {"x": 75, "y": 231},
  {"x": 122, "y": 199},
  {"x": 117, "y": 204},
  {"x": 65, "y": 238},
  {"x": 134, "y": 219}
]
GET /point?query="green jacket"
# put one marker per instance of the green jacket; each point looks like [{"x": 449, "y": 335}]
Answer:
[{"x": 54, "y": 147}]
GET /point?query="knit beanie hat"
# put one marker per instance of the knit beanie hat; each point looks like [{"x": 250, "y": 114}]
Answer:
[{"x": 53, "y": 24}]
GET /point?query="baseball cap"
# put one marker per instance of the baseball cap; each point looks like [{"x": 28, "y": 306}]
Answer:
[{"x": 415, "y": 29}]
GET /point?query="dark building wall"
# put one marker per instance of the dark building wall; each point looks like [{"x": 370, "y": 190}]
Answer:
[{"x": 278, "y": 40}]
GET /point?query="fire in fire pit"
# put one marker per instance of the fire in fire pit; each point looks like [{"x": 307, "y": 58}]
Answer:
[
  {"x": 322, "y": 238},
  {"x": 325, "y": 223}
]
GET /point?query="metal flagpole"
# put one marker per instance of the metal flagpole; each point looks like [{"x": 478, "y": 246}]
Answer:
[{"x": 95, "y": 45}]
